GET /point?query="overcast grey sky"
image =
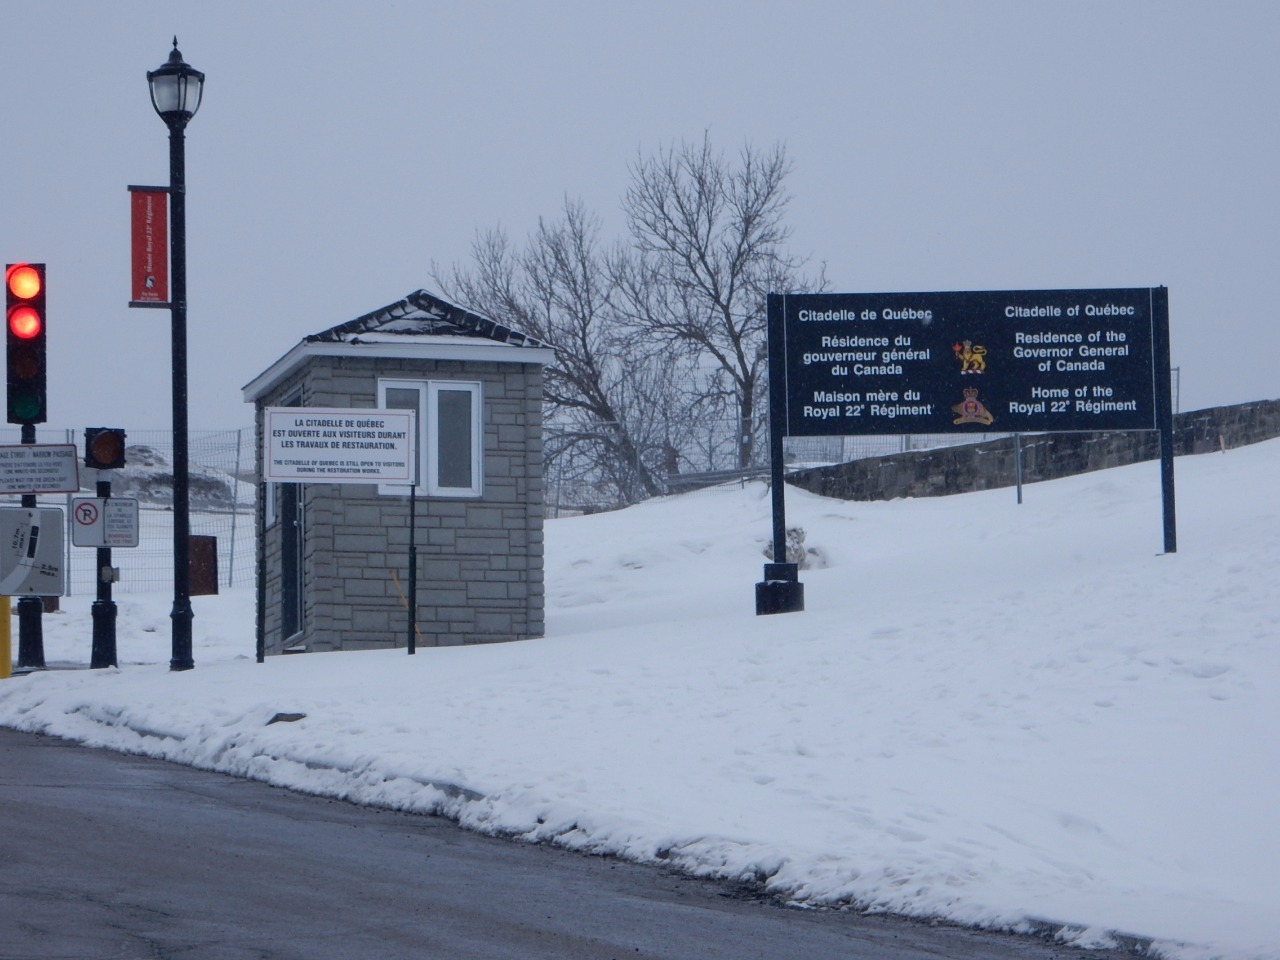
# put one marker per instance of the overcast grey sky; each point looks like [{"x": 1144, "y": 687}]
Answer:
[{"x": 342, "y": 148}]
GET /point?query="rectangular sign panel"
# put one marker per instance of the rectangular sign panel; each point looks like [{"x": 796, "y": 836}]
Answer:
[
  {"x": 321, "y": 445},
  {"x": 31, "y": 561},
  {"x": 40, "y": 468},
  {"x": 149, "y": 223},
  {"x": 103, "y": 522},
  {"x": 984, "y": 362}
]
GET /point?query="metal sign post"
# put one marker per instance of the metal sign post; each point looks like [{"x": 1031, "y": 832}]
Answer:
[
  {"x": 1163, "y": 375},
  {"x": 781, "y": 590}
]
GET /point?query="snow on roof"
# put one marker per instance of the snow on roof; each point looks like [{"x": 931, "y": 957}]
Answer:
[
  {"x": 421, "y": 321},
  {"x": 424, "y": 314}
]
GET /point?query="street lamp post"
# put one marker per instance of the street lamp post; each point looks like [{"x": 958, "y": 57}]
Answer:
[{"x": 176, "y": 89}]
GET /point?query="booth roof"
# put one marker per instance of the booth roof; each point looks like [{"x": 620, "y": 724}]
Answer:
[
  {"x": 423, "y": 314},
  {"x": 419, "y": 321}
]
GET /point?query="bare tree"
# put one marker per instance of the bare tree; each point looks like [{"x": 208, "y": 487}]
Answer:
[
  {"x": 605, "y": 388},
  {"x": 709, "y": 238},
  {"x": 660, "y": 341}
]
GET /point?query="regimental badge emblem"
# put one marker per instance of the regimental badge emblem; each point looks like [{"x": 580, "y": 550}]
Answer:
[
  {"x": 973, "y": 358},
  {"x": 971, "y": 410}
]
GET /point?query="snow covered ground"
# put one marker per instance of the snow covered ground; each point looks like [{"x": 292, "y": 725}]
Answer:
[{"x": 994, "y": 713}]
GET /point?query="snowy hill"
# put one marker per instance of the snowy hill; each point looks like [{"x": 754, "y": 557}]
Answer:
[
  {"x": 1009, "y": 715},
  {"x": 148, "y": 476}
]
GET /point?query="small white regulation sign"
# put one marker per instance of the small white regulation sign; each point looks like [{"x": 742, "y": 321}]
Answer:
[
  {"x": 103, "y": 522},
  {"x": 39, "y": 468}
]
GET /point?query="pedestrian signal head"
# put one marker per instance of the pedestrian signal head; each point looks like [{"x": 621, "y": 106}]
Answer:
[{"x": 104, "y": 448}]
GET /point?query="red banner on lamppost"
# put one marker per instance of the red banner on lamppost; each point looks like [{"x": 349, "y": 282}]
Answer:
[{"x": 150, "y": 234}]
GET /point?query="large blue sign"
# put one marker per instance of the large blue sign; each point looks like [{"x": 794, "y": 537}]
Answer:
[{"x": 988, "y": 362}]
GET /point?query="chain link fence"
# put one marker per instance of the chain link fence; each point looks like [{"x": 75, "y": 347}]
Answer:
[{"x": 221, "y": 469}]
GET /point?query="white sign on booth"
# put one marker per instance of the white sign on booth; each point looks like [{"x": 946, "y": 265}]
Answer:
[{"x": 325, "y": 445}]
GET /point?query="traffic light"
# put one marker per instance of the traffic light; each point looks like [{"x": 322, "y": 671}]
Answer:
[
  {"x": 103, "y": 448},
  {"x": 25, "y": 341}
]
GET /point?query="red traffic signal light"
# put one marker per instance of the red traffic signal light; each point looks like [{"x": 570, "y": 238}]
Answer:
[
  {"x": 24, "y": 281},
  {"x": 25, "y": 323},
  {"x": 25, "y": 329}
]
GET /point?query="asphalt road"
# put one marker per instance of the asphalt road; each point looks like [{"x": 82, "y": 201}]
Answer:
[{"x": 110, "y": 856}]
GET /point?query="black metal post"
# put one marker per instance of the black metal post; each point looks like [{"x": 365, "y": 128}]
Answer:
[
  {"x": 31, "y": 633},
  {"x": 781, "y": 590},
  {"x": 260, "y": 580},
  {"x": 777, "y": 400},
  {"x": 182, "y": 613},
  {"x": 1017, "y": 463},
  {"x": 30, "y": 609},
  {"x": 103, "y": 611},
  {"x": 412, "y": 639},
  {"x": 1164, "y": 412}
]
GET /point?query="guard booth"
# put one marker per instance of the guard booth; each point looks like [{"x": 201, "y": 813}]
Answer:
[{"x": 333, "y": 571}]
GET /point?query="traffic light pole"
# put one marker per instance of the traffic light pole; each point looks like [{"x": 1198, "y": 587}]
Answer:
[
  {"x": 182, "y": 614},
  {"x": 103, "y": 611},
  {"x": 25, "y": 337},
  {"x": 30, "y": 609}
]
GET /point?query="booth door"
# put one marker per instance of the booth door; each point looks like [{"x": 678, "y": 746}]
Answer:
[{"x": 291, "y": 580}]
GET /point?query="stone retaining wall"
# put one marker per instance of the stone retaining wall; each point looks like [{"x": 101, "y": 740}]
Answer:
[{"x": 982, "y": 466}]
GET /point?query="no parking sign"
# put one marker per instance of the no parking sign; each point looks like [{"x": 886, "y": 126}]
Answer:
[{"x": 104, "y": 522}]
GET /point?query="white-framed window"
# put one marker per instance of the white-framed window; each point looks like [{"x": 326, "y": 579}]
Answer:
[{"x": 450, "y": 434}]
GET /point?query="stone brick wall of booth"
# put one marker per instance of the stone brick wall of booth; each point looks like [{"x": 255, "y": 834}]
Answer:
[
  {"x": 480, "y": 561},
  {"x": 983, "y": 466}
]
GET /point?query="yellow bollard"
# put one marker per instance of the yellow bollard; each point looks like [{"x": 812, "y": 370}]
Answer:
[{"x": 6, "y": 643}]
